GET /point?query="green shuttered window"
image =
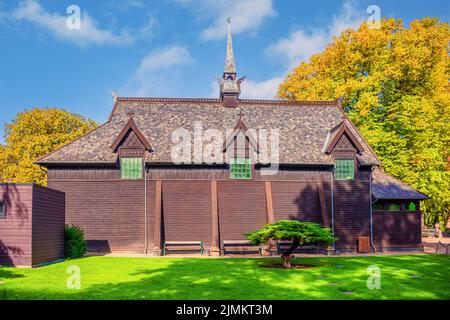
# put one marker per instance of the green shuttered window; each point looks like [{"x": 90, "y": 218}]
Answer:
[
  {"x": 345, "y": 170},
  {"x": 131, "y": 168},
  {"x": 240, "y": 169}
]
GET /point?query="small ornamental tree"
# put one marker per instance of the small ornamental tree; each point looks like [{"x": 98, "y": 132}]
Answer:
[{"x": 300, "y": 233}]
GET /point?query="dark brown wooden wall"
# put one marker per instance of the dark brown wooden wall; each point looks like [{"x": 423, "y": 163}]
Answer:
[
  {"x": 15, "y": 229},
  {"x": 111, "y": 212},
  {"x": 187, "y": 211},
  {"x": 296, "y": 201},
  {"x": 48, "y": 225},
  {"x": 396, "y": 229},
  {"x": 352, "y": 210},
  {"x": 242, "y": 208},
  {"x": 33, "y": 230}
]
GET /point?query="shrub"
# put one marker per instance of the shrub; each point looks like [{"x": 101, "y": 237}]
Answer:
[
  {"x": 74, "y": 243},
  {"x": 299, "y": 232}
]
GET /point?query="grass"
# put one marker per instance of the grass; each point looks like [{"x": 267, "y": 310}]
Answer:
[{"x": 402, "y": 277}]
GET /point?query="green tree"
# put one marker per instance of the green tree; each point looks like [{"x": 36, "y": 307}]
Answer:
[
  {"x": 300, "y": 233},
  {"x": 395, "y": 84},
  {"x": 33, "y": 134}
]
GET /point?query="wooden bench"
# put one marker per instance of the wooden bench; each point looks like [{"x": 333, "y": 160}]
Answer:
[
  {"x": 183, "y": 246},
  {"x": 428, "y": 233},
  {"x": 239, "y": 246},
  {"x": 98, "y": 247},
  {"x": 443, "y": 245},
  {"x": 282, "y": 246}
]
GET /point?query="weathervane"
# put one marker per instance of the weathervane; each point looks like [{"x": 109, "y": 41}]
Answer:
[{"x": 114, "y": 96}]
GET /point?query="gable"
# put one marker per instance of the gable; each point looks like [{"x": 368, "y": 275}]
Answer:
[
  {"x": 131, "y": 137},
  {"x": 131, "y": 140},
  {"x": 241, "y": 142},
  {"x": 342, "y": 138},
  {"x": 345, "y": 142}
]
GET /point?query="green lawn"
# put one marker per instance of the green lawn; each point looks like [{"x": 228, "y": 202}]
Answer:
[{"x": 402, "y": 277}]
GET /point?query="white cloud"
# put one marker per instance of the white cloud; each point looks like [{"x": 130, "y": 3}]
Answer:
[
  {"x": 302, "y": 43},
  {"x": 89, "y": 33},
  {"x": 157, "y": 71},
  {"x": 266, "y": 89},
  {"x": 298, "y": 46},
  {"x": 149, "y": 28},
  {"x": 247, "y": 16}
]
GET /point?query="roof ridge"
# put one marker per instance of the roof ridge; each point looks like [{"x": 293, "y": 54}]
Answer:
[
  {"x": 216, "y": 100},
  {"x": 296, "y": 103}
]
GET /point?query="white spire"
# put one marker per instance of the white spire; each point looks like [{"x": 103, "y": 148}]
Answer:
[{"x": 229, "y": 59}]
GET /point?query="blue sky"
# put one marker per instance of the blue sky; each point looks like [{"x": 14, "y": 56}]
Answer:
[{"x": 164, "y": 48}]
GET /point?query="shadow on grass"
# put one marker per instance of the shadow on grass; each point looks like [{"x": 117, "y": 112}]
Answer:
[
  {"x": 8, "y": 274},
  {"x": 235, "y": 279}
]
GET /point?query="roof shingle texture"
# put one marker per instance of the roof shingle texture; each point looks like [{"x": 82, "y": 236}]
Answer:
[
  {"x": 303, "y": 128},
  {"x": 386, "y": 187}
]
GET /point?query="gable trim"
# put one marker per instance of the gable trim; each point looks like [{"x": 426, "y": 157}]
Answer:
[
  {"x": 131, "y": 125},
  {"x": 344, "y": 129},
  {"x": 241, "y": 127}
]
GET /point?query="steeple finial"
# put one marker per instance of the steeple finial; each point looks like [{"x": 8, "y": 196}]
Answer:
[
  {"x": 229, "y": 85},
  {"x": 230, "y": 68}
]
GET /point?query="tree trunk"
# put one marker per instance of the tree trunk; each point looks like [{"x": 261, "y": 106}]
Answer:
[{"x": 287, "y": 255}]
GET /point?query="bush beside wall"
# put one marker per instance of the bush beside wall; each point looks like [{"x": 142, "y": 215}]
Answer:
[{"x": 74, "y": 243}]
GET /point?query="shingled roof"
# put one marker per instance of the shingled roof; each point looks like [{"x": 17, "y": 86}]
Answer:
[
  {"x": 303, "y": 126},
  {"x": 386, "y": 187}
]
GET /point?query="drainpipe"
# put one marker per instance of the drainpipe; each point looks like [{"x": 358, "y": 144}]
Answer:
[
  {"x": 145, "y": 210},
  {"x": 371, "y": 210},
  {"x": 332, "y": 206}
]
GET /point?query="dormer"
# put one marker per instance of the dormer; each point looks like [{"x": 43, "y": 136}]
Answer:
[
  {"x": 343, "y": 145},
  {"x": 130, "y": 146}
]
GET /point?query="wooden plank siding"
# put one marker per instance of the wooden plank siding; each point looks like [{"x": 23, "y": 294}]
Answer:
[
  {"x": 111, "y": 212},
  {"x": 396, "y": 229},
  {"x": 33, "y": 230},
  {"x": 242, "y": 208},
  {"x": 48, "y": 225},
  {"x": 352, "y": 210},
  {"x": 187, "y": 211},
  {"x": 164, "y": 172},
  {"x": 296, "y": 201},
  {"x": 112, "y": 209},
  {"x": 15, "y": 228}
]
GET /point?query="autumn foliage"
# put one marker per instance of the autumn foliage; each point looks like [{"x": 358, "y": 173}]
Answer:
[
  {"x": 33, "y": 134},
  {"x": 395, "y": 85}
]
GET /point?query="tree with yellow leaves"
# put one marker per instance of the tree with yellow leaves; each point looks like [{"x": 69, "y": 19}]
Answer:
[
  {"x": 33, "y": 134},
  {"x": 395, "y": 84}
]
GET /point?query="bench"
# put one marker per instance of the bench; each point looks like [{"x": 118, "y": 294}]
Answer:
[
  {"x": 443, "y": 245},
  {"x": 183, "y": 246},
  {"x": 239, "y": 246},
  {"x": 98, "y": 247},
  {"x": 428, "y": 233},
  {"x": 282, "y": 246}
]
